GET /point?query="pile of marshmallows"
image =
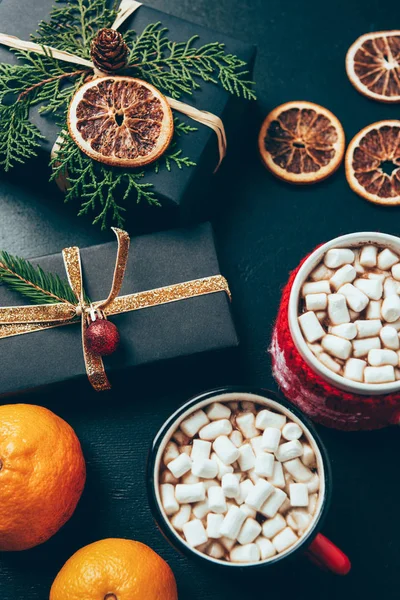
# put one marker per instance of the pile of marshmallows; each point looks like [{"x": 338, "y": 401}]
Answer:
[
  {"x": 351, "y": 313},
  {"x": 239, "y": 482}
]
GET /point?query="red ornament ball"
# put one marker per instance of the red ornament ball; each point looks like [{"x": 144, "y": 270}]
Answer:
[{"x": 102, "y": 337}]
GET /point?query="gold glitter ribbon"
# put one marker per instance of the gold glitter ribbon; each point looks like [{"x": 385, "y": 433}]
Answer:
[{"x": 18, "y": 320}]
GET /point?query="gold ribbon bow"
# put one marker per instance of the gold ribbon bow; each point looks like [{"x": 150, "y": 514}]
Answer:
[{"x": 18, "y": 320}]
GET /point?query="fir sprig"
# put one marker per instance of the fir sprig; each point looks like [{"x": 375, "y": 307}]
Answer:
[
  {"x": 176, "y": 67},
  {"x": 37, "y": 286}
]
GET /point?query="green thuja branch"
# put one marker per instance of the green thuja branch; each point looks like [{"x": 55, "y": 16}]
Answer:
[
  {"x": 32, "y": 282},
  {"x": 177, "y": 67}
]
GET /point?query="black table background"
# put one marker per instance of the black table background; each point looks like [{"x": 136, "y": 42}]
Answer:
[{"x": 264, "y": 227}]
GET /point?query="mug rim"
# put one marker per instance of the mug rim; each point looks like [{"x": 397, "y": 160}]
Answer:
[
  {"x": 174, "y": 538},
  {"x": 347, "y": 240}
]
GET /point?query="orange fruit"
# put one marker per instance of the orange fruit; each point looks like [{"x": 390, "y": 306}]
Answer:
[
  {"x": 120, "y": 121},
  {"x": 42, "y": 475},
  {"x": 301, "y": 142},
  {"x": 373, "y": 65},
  {"x": 373, "y": 163},
  {"x": 115, "y": 569}
]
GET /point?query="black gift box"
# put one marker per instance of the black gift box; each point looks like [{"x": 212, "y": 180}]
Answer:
[
  {"x": 180, "y": 329},
  {"x": 182, "y": 190}
]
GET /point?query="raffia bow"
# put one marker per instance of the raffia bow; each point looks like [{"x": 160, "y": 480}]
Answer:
[
  {"x": 127, "y": 8},
  {"x": 18, "y": 320}
]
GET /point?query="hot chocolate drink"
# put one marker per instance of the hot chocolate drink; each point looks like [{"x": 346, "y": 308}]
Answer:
[{"x": 240, "y": 482}]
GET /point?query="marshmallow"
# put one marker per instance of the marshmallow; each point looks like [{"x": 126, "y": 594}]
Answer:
[
  {"x": 321, "y": 315},
  {"x": 379, "y": 374},
  {"x": 216, "y": 500},
  {"x": 292, "y": 431},
  {"x": 337, "y": 311},
  {"x": 214, "y": 523},
  {"x": 194, "y": 533},
  {"x": 273, "y": 526},
  {"x": 345, "y": 274},
  {"x": 284, "y": 539},
  {"x": 386, "y": 259},
  {"x": 270, "y": 439},
  {"x": 232, "y": 523},
  {"x": 246, "y": 458},
  {"x": 259, "y": 494},
  {"x": 336, "y": 257},
  {"x": 298, "y": 494},
  {"x": 249, "y": 512},
  {"x": 368, "y": 328},
  {"x": 230, "y": 485},
  {"x": 329, "y": 362},
  {"x": 168, "y": 500},
  {"x": 298, "y": 470},
  {"x": 200, "y": 450},
  {"x": 201, "y": 509},
  {"x": 181, "y": 517},
  {"x": 316, "y": 301},
  {"x": 363, "y": 346},
  {"x": 321, "y": 272},
  {"x": 313, "y": 503},
  {"x": 396, "y": 325},
  {"x": 336, "y": 346},
  {"x": 389, "y": 287},
  {"x": 236, "y": 438},
  {"x": 277, "y": 479},
  {"x": 378, "y": 358},
  {"x": 289, "y": 450},
  {"x": 298, "y": 519},
  {"x": 245, "y": 487},
  {"x": 245, "y": 554},
  {"x": 227, "y": 543},
  {"x": 264, "y": 464},
  {"x": 391, "y": 308},
  {"x": 311, "y": 327},
  {"x": 285, "y": 506},
  {"x": 188, "y": 478},
  {"x": 253, "y": 476},
  {"x": 256, "y": 444},
  {"x": 355, "y": 298},
  {"x": 214, "y": 429},
  {"x": 186, "y": 449},
  {"x": 194, "y": 423},
  {"x": 266, "y": 547},
  {"x": 222, "y": 468},
  {"x": 308, "y": 457},
  {"x": 313, "y": 484},
  {"x": 181, "y": 465},
  {"x": 318, "y": 287},
  {"x": 204, "y": 467},
  {"x": 267, "y": 418},
  {"x": 215, "y": 550},
  {"x": 374, "y": 309},
  {"x": 390, "y": 337},
  {"x": 370, "y": 287},
  {"x": 273, "y": 503},
  {"x": 225, "y": 450},
  {"x": 171, "y": 451},
  {"x": 167, "y": 477},
  {"x": 354, "y": 369},
  {"x": 316, "y": 349},
  {"x": 246, "y": 424},
  {"x": 368, "y": 256},
  {"x": 218, "y": 411},
  {"x": 187, "y": 493},
  {"x": 209, "y": 483},
  {"x": 348, "y": 331},
  {"x": 250, "y": 530},
  {"x": 396, "y": 271}
]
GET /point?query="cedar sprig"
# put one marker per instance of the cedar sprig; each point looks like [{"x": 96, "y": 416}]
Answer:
[
  {"x": 177, "y": 67},
  {"x": 30, "y": 281}
]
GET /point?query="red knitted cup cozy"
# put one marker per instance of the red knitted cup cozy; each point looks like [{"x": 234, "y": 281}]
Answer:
[{"x": 320, "y": 400}]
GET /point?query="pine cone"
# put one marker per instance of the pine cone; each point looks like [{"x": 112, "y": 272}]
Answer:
[{"x": 108, "y": 51}]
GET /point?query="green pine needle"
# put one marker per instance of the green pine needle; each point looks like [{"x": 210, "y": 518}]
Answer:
[{"x": 19, "y": 275}]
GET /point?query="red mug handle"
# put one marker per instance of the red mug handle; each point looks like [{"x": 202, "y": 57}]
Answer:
[{"x": 326, "y": 555}]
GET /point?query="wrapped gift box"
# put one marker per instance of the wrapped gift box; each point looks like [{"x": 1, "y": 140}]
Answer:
[
  {"x": 172, "y": 331},
  {"x": 181, "y": 190}
]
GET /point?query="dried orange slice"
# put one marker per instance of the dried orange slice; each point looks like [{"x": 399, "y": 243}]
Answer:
[
  {"x": 373, "y": 163},
  {"x": 373, "y": 65},
  {"x": 120, "y": 121},
  {"x": 301, "y": 142}
]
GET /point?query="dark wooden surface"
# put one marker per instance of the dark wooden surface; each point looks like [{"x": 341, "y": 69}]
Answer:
[{"x": 264, "y": 228}]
